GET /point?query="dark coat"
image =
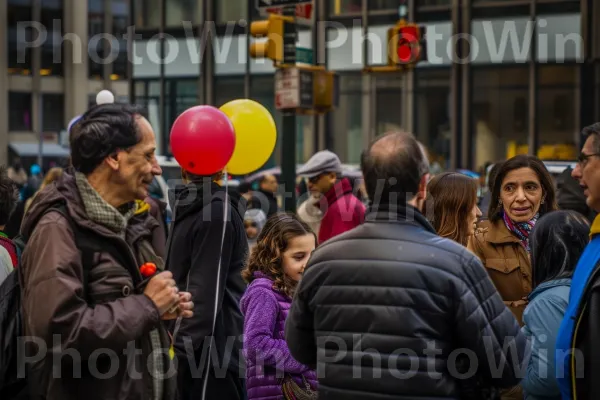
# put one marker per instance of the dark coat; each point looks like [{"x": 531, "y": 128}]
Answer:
[
  {"x": 109, "y": 312},
  {"x": 194, "y": 254},
  {"x": 393, "y": 288}
]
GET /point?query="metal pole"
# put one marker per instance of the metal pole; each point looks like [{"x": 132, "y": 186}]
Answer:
[
  {"x": 247, "y": 76},
  {"x": 288, "y": 138},
  {"x": 37, "y": 85}
]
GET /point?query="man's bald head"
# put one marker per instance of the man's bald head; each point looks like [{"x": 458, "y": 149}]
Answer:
[{"x": 394, "y": 163}]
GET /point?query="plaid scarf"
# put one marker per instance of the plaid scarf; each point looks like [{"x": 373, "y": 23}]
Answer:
[{"x": 521, "y": 229}]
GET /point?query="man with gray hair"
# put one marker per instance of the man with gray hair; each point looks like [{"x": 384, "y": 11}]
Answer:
[
  {"x": 342, "y": 210},
  {"x": 387, "y": 310}
]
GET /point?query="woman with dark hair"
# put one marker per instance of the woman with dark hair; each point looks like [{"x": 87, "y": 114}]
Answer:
[
  {"x": 522, "y": 192},
  {"x": 451, "y": 206},
  {"x": 557, "y": 242}
]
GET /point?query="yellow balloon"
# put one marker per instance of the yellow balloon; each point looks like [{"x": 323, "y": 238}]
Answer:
[{"x": 255, "y": 135}]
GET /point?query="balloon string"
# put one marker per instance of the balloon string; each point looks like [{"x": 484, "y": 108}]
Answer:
[{"x": 218, "y": 284}]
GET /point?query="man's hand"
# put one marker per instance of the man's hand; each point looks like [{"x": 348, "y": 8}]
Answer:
[
  {"x": 183, "y": 309},
  {"x": 162, "y": 291}
]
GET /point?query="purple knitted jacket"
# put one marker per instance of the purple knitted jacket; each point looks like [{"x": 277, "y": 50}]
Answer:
[{"x": 265, "y": 311}]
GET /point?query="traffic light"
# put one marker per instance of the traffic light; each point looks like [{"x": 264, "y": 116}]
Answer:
[
  {"x": 273, "y": 29},
  {"x": 406, "y": 44}
]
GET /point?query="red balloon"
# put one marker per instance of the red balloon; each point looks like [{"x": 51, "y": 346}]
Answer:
[{"x": 202, "y": 140}]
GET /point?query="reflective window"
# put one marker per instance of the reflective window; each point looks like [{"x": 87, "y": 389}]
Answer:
[
  {"x": 53, "y": 112},
  {"x": 96, "y": 43},
  {"x": 500, "y": 118},
  {"x": 182, "y": 10},
  {"x": 19, "y": 57},
  {"x": 346, "y": 120},
  {"x": 432, "y": 115},
  {"x": 19, "y": 118},
  {"x": 558, "y": 97},
  {"x": 147, "y": 95},
  {"x": 52, "y": 19},
  {"x": 120, "y": 22},
  {"x": 231, "y": 10},
  {"x": 388, "y": 103},
  {"x": 147, "y": 14}
]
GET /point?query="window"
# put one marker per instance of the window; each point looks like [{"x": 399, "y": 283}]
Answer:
[
  {"x": 388, "y": 100},
  {"x": 52, "y": 20},
  {"x": 147, "y": 95},
  {"x": 422, "y": 3},
  {"x": 432, "y": 115},
  {"x": 95, "y": 33},
  {"x": 558, "y": 96},
  {"x": 120, "y": 22},
  {"x": 500, "y": 118},
  {"x": 147, "y": 14},
  {"x": 19, "y": 57},
  {"x": 231, "y": 10},
  {"x": 53, "y": 112},
  {"x": 20, "y": 111},
  {"x": 346, "y": 120},
  {"x": 182, "y": 10}
]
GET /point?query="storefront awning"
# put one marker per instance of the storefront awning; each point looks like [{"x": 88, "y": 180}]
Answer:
[{"x": 32, "y": 149}]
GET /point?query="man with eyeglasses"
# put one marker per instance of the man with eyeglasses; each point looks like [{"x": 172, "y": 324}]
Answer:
[{"x": 578, "y": 342}]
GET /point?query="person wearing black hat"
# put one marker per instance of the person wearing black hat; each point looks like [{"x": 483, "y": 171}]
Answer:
[{"x": 342, "y": 210}]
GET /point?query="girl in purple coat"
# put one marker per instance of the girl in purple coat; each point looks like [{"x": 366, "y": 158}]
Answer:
[{"x": 274, "y": 269}]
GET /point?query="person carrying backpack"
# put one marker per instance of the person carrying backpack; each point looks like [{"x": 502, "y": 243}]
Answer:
[{"x": 92, "y": 287}]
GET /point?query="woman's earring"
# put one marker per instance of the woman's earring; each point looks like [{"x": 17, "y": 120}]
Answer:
[
  {"x": 500, "y": 202},
  {"x": 543, "y": 199}
]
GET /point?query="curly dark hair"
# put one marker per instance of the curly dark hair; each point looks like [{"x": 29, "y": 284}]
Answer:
[
  {"x": 273, "y": 240},
  {"x": 9, "y": 196}
]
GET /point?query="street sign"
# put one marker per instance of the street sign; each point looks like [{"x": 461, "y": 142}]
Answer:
[
  {"x": 287, "y": 89},
  {"x": 304, "y": 56},
  {"x": 304, "y": 9}
]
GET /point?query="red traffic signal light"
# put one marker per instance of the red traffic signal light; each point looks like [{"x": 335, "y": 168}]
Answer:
[{"x": 408, "y": 49}]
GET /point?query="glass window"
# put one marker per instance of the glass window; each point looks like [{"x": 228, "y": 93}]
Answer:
[
  {"x": 558, "y": 96},
  {"x": 53, "y": 112},
  {"x": 422, "y": 3},
  {"x": 182, "y": 10},
  {"x": 147, "y": 14},
  {"x": 95, "y": 32},
  {"x": 231, "y": 10},
  {"x": 52, "y": 19},
  {"x": 388, "y": 109},
  {"x": 341, "y": 7},
  {"x": 432, "y": 115},
  {"x": 120, "y": 21},
  {"x": 346, "y": 120},
  {"x": 147, "y": 95},
  {"x": 20, "y": 111},
  {"x": 19, "y": 57},
  {"x": 500, "y": 120}
]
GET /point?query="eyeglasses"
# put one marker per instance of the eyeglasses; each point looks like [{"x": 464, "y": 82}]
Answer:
[
  {"x": 315, "y": 179},
  {"x": 583, "y": 158}
]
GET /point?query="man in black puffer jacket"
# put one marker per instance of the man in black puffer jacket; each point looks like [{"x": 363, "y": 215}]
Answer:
[{"x": 386, "y": 310}]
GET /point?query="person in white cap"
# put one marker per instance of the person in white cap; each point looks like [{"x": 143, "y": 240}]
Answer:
[{"x": 342, "y": 210}]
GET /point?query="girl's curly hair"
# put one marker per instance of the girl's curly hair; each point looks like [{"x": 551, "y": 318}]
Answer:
[{"x": 266, "y": 257}]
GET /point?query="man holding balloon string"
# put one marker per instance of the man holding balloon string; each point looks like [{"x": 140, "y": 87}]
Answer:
[{"x": 207, "y": 247}]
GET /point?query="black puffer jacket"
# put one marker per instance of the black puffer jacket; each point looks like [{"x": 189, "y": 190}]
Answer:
[{"x": 393, "y": 288}]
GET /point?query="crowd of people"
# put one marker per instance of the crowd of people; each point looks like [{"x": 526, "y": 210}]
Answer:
[{"x": 417, "y": 294}]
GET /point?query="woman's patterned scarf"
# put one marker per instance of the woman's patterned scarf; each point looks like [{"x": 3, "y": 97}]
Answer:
[{"x": 521, "y": 229}]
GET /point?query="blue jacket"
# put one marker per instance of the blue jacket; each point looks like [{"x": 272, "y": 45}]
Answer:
[{"x": 542, "y": 319}]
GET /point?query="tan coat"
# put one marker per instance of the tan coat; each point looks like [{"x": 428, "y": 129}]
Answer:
[{"x": 507, "y": 263}]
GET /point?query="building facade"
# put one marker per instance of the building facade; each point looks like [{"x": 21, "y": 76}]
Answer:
[
  {"x": 502, "y": 77},
  {"x": 57, "y": 58}
]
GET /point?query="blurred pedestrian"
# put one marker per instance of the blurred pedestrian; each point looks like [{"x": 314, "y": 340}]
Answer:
[
  {"x": 9, "y": 196},
  {"x": 451, "y": 206},
  {"x": 310, "y": 212},
  {"x": 391, "y": 286},
  {"x": 569, "y": 195},
  {"x": 265, "y": 198},
  {"x": 274, "y": 269},
  {"x": 50, "y": 177},
  {"x": 342, "y": 210},
  {"x": 254, "y": 221},
  {"x": 557, "y": 242},
  {"x": 17, "y": 173}
]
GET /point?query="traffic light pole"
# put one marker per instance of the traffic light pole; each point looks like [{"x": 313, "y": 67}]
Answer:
[{"x": 288, "y": 137}]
